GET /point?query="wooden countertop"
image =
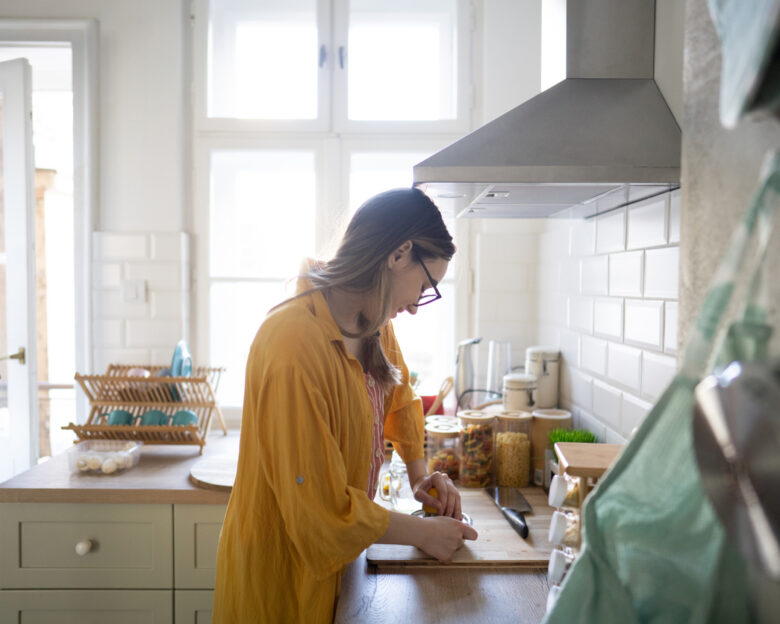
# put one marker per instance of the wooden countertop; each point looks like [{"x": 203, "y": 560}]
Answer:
[{"x": 161, "y": 476}]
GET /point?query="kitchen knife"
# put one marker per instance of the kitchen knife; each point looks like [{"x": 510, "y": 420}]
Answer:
[{"x": 513, "y": 505}]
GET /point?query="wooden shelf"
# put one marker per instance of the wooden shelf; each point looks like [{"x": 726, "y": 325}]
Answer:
[{"x": 580, "y": 459}]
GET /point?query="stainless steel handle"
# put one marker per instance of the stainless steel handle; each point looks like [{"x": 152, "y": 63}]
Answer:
[
  {"x": 323, "y": 55},
  {"x": 19, "y": 355},
  {"x": 342, "y": 56}
]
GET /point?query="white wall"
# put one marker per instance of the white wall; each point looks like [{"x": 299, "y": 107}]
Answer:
[{"x": 142, "y": 88}]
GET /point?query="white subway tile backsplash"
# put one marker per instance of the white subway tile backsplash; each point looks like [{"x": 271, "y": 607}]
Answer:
[
  {"x": 102, "y": 357},
  {"x": 670, "y": 327},
  {"x": 614, "y": 438},
  {"x": 107, "y": 333},
  {"x": 587, "y": 421},
  {"x": 581, "y": 389},
  {"x": 106, "y": 275},
  {"x": 550, "y": 276},
  {"x": 108, "y": 304},
  {"x": 152, "y": 333},
  {"x": 674, "y": 217},
  {"x": 647, "y": 223},
  {"x": 625, "y": 274},
  {"x": 624, "y": 365},
  {"x": 570, "y": 276},
  {"x": 657, "y": 372},
  {"x": 169, "y": 247},
  {"x": 570, "y": 347},
  {"x": 581, "y": 314},
  {"x": 593, "y": 355},
  {"x": 644, "y": 322},
  {"x": 159, "y": 275},
  {"x": 594, "y": 275},
  {"x": 632, "y": 411},
  {"x": 608, "y": 318},
  {"x": 168, "y": 304},
  {"x": 662, "y": 268},
  {"x": 582, "y": 241},
  {"x": 606, "y": 403},
  {"x": 611, "y": 232},
  {"x": 116, "y": 246},
  {"x": 515, "y": 307}
]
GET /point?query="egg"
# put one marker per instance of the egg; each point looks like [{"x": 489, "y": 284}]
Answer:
[
  {"x": 109, "y": 466},
  {"x": 94, "y": 462},
  {"x": 81, "y": 464}
]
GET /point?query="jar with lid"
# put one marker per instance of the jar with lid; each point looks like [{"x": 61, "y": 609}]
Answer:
[
  {"x": 519, "y": 392},
  {"x": 543, "y": 363},
  {"x": 443, "y": 452},
  {"x": 565, "y": 491},
  {"x": 476, "y": 449},
  {"x": 513, "y": 448},
  {"x": 560, "y": 562},
  {"x": 565, "y": 529}
]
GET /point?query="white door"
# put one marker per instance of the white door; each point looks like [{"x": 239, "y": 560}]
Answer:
[{"x": 19, "y": 383}]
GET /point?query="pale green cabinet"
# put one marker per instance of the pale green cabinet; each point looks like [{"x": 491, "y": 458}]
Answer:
[{"x": 149, "y": 563}]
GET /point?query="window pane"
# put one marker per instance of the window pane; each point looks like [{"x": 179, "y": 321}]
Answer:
[
  {"x": 262, "y": 59},
  {"x": 427, "y": 339},
  {"x": 236, "y": 311},
  {"x": 402, "y": 60},
  {"x": 373, "y": 172},
  {"x": 262, "y": 212}
]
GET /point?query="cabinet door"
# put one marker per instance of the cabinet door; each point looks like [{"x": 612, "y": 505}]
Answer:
[
  {"x": 196, "y": 536},
  {"x": 86, "y": 607},
  {"x": 63, "y": 545},
  {"x": 193, "y": 606}
]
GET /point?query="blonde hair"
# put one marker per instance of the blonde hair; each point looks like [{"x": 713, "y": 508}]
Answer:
[{"x": 379, "y": 227}]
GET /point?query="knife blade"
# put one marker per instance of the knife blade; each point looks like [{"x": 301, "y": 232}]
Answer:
[{"x": 513, "y": 505}]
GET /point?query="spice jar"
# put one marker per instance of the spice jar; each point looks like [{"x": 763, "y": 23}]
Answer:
[
  {"x": 476, "y": 449},
  {"x": 513, "y": 448},
  {"x": 565, "y": 529},
  {"x": 519, "y": 389},
  {"x": 443, "y": 452},
  {"x": 543, "y": 362},
  {"x": 565, "y": 491},
  {"x": 560, "y": 562}
]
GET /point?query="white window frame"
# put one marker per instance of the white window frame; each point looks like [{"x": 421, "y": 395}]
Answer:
[
  {"x": 82, "y": 35},
  {"x": 332, "y": 28}
]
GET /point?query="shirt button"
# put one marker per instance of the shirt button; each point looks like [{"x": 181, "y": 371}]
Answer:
[{"x": 299, "y": 479}]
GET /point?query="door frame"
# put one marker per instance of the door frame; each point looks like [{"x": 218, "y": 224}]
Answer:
[{"x": 82, "y": 35}]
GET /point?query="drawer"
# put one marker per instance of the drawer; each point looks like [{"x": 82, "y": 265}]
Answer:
[
  {"x": 129, "y": 546},
  {"x": 192, "y": 606},
  {"x": 196, "y": 536},
  {"x": 86, "y": 607}
]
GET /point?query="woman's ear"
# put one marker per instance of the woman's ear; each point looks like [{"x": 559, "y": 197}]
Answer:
[{"x": 401, "y": 253}]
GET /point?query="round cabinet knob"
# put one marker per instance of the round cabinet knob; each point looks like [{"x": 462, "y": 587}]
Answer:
[{"x": 83, "y": 547}]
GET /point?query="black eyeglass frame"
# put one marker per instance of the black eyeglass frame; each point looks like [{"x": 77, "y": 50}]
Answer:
[{"x": 426, "y": 299}]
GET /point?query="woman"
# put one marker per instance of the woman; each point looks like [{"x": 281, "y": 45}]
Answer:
[{"x": 325, "y": 383}]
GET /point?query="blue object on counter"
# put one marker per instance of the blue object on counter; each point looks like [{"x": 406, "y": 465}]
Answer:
[
  {"x": 181, "y": 365},
  {"x": 166, "y": 372}
]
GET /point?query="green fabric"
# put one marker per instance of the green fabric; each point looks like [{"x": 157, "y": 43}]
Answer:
[
  {"x": 653, "y": 549},
  {"x": 749, "y": 31}
]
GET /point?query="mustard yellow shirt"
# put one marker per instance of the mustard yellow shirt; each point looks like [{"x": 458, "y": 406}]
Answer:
[{"x": 299, "y": 512}]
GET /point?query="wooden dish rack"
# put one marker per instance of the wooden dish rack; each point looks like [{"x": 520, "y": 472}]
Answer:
[{"x": 117, "y": 389}]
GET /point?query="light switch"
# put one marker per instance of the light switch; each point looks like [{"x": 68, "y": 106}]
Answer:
[{"x": 134, "y": 291}]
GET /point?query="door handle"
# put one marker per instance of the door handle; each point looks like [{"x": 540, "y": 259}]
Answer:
[{"x": 19, "y": 355}]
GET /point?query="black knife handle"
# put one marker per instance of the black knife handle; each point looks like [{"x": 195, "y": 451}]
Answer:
[{"x": 517, "y": 521}]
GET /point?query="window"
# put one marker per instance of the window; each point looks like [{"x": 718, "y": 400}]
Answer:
[{"x": 295, "y": 127}]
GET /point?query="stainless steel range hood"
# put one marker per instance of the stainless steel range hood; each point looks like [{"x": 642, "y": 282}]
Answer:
[{"x": 602, "y": 137}]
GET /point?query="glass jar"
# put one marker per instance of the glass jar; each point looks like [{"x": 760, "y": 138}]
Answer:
[
  {"x": 394, "y": 486},
  {"x": 443, "y": 452},
  {"x": 560, "y": 562},
  {"x": 519, "y": 392},
  {"x": 513, "y": 449},
  {"x": 565, "y": 491},
  {"x": 565, "y": 529},
  {"x": 476, "y": 449}
]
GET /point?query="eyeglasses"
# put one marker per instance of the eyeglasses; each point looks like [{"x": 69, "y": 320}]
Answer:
[{"x": 426, "y": 298}]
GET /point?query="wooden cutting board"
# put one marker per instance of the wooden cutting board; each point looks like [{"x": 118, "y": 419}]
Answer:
[
  {"x": 215, "y": 473},
  {"x": 498, "y": 543}
]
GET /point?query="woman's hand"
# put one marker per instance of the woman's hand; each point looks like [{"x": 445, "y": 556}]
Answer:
[
  {"x": 448, "y": 501},
  {"x": 443, "y": 536}
]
